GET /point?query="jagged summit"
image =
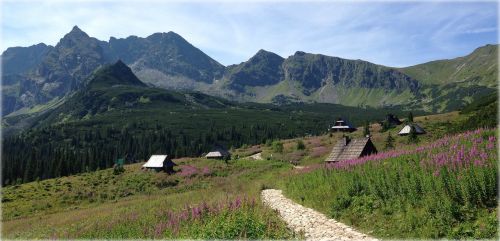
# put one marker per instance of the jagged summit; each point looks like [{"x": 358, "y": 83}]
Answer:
[
  {"x": 76, "y": 32},
  {"x": 167, "y": 35},
  {"x": 266, "y": 54}
]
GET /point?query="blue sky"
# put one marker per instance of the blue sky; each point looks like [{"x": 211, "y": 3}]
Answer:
[{"x": 388, "y": 33}]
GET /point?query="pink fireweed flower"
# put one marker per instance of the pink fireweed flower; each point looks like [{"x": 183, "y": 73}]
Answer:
[
  {"x": 436, "y": 173},
  {"x": 490, "y": 146},
  {"x": 478, "y": 162},
  {"x": 159, "y": 229},
  {"x": 483, "y": 155},
  {"x": 188, "y": 171},
  {"x": 206, "y": 171},
  {"x": 452, "y": 152}
]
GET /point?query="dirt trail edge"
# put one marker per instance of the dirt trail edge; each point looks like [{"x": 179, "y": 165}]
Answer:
[{"x": 314, "y": 225}]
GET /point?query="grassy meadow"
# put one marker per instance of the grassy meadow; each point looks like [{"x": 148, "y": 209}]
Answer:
[
  {"x": 441, "y": 189},
  {"x": 204, "y": 199},
  {"x": 410, "y": 191}
]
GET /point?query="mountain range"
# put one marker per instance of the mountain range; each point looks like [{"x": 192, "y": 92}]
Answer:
[{"x": 42, "y": 76}]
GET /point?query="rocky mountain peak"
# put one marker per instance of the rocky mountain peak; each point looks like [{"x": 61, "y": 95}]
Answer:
[{"x": 114, "y": 74}]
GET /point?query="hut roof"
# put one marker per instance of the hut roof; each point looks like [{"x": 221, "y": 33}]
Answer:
[
  {"x": 346, "y": 151},
  {"x": 407, "y": 128},
  {"x": 392, "y": 119},
  {"x": 341, "y": 124},
  {"x": 158, "y": 161},
  {"x": 218, "y": 153}
]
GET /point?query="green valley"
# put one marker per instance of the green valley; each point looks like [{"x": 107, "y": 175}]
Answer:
[
  {"x": 144, "y": 204},
  {"x": 249, "y": 120}
]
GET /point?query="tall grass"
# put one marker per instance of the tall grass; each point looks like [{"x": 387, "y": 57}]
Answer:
[
  {"x": 199, "y": 201},
  {"x": 447, "y": 188},
  {"x": 240, "y": 218}
]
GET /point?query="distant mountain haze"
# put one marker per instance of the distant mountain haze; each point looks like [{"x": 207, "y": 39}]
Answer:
[{"x": 39, "y": 74}]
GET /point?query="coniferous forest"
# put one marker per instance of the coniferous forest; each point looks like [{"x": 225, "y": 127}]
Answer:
[{"x": 81, "y": 146}]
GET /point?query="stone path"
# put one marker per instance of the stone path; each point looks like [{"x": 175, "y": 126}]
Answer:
[{"x": 314, "y": 225}]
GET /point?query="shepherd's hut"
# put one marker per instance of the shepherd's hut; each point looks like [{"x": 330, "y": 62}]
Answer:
[
  {"x": 218, "y": 153},
  {"x": 407, "y": 129},
  {"x": 347, "y": 149},
  {"x": 342, "y": 126},
  {"x": 160, "y": 163}
]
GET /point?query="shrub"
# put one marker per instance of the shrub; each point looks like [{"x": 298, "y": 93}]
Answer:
[
  {"x": 118, "y": 169},
  {"x": 277, "y": 146},
  {"x": 300, "y": 145},
  {"x": 269, "y": 142},
  {"x": 389, "y": 142}
]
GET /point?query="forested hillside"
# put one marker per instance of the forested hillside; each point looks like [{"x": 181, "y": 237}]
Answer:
[{"x": 116, "y": 115}]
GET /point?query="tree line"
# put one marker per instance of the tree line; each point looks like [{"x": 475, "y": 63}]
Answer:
[{"x": 65, "y": 150}]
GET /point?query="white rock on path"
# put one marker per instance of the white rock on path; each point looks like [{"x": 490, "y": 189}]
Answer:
[{"x": 314, "y": 225}]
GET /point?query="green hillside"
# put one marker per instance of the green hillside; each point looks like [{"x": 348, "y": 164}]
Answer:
[
  {"x": 115, "y": 115},
  {"x": 205, "y": 199},
  {"x": 140, "y": 204},
  {"x": 478, "y": 68}
]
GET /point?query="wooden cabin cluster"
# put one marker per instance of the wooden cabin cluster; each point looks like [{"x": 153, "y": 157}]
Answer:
[
  {"x": 164, "y": 162},
  {"x": 347, "y": 148}
]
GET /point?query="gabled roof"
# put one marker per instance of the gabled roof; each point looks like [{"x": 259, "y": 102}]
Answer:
[
  {"x": 341, "y": 123},
  {"x": 218, "y": 153},
  {"x": 407, "y": 128},
  {"x": 392, "y": 119},
  {"x": 157, "y": 161},
  {"x": 352, "y": 150}
]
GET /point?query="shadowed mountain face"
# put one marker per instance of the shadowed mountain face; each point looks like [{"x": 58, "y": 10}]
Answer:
[
  {"x": 315, "y": 70},
  {"x": 264, "y": 68},
  {"x": 17, "y": 60},
  {"x": 60, "y": 70},
  {"x": 40, "y": 74},
  {"x": 117, "y": 74}
]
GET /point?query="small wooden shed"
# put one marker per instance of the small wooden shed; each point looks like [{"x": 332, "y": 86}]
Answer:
[
  {"x": 347, "y": 149},
  {"x": 407, "y": 129},
  {"x": 160, "y": 163},
  {"x": 218, "y": 153},
  {"x": 392, "y": 120}
]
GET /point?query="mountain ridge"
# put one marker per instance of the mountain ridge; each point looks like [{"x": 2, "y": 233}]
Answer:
[{"x": 168, "y": 61}]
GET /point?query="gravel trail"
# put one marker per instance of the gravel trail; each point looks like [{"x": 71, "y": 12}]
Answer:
[{"x": 314, "y": 225}]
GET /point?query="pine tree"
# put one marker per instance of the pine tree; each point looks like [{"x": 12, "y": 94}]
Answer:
[
  {"x": 366, "y": 131},
  {"x": 300, "y": 145},
  {"x": 410, "y": 117},
  {"x": 389, "y": 142},
  {"x": 412, "y": 137}
]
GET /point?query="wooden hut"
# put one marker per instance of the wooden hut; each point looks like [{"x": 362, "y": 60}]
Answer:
[
  {"x": 347, "y": 149},
  {"x": 407, "y": 129},
  {"x": 392, "y": 120},
  {"x": 160, "y": 163},
  {"x": 342, "y": 126},
  {"x": 218, "y": 153}
]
